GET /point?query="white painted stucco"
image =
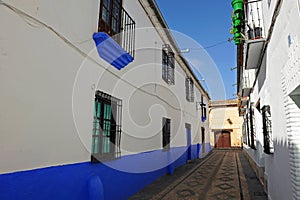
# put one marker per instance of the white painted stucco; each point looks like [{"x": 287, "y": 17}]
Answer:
[
  {"x": 48, "y": 79},
  {"x": 277, "y": 79}
]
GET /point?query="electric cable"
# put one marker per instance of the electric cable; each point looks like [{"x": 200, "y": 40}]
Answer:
[{"x": 38, "y": 24}]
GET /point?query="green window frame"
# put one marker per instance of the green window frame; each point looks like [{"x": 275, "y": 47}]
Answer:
[{"x": 106, "y": 127}]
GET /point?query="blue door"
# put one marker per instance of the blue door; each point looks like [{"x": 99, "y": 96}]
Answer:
[{"x": 188, "y": 141}]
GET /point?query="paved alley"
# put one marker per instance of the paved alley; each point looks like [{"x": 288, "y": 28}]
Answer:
[{"x": 222, "y": 175}]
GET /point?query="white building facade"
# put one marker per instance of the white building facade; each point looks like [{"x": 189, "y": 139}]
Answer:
[
  {"x": 80, "y": 122},
  {"x": 268, "y": 62}
]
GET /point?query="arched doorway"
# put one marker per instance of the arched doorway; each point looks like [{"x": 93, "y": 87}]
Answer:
[{"x": 222, "y": 139}]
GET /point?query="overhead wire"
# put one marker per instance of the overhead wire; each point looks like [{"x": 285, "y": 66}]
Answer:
[
  {"x": 211, "y": 46},
  {"x": 39, "y": 24}
]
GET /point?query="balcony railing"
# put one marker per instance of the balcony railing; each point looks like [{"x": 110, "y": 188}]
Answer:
[
  {"x": 254, "y": 20},
  {"x": 246, "y": 86},
  {"x": 128, "y": 33},
  {"x": 120, "y": 26},
  {"x": 254, "y": 33}
]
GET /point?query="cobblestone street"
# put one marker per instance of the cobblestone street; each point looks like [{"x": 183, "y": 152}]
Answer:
[{"x": 222, "y": 175}]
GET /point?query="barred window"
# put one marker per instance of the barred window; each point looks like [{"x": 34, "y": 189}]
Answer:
[
  {"x": 244, "y": 132},
  {"x": 267, "y": 130},
  {"x": 168, "y": 65},
  {"x": 252, "y": 128},
  {"x": 166, "y": 133},
  {"x": 116, "y": 22},
  {"x": 106, "y": 127},
  {"x": 189, "y": 89},
  {"x": 248, "y": 129},
  {"x": 203, "y": 110}
]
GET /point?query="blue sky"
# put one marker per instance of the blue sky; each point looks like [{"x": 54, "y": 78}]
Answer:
[{"x": 208, "y": 23}]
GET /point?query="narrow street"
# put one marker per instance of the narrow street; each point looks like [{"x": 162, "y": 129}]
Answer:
[
  {"x": 222, "y": 175},
  {"x": 150, "y": 100}
]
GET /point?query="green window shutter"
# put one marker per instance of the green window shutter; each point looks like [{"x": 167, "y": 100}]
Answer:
[
  {"x": 96, "y": 127},
  {"x": 106, "y": 129}
]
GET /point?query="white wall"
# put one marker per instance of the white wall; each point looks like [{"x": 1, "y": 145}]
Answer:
[
  {"x": 47, "y": 86},
  {"x": 279, "y": 71}
]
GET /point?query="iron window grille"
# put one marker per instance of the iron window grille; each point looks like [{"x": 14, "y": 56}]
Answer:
[
  {"x": 189, "y": 89},
  {"x": 244, "y": 132},
  {"x": 254, "y": 19},
  {"x": 252, "y": 128},
  {"x": 168, "y": 65},
  {"x": 248, "y": 129},
  {"x": 106, "y": 127},
  {"x": 203, "y": 110},
  {"x": 116, "y": 22},
  {"x": 267, "y": 130},
  {"x": 166, "y": 133}
]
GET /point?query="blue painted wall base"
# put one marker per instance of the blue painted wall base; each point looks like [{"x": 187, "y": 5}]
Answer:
[{"x": 93, "y": 181}]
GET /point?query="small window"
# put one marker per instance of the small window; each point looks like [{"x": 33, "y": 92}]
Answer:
[
  {"x": 106, "y": 127},
  {"x": 168, "y": 65},
  {"x": 252, "y": 128},
  {"x": 166, "y": 133},
  {"x": 189, "y": 89},
  {"x": 203, "y": 110},
  {"x": 267, "y": 130},
  {"x": 248, "y": 129}
]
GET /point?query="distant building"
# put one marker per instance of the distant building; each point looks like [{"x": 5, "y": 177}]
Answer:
[
  {"x": 225, "y": 124},
  {"x": 268, "y": 61},
  {"x": 78, "y": 122}
]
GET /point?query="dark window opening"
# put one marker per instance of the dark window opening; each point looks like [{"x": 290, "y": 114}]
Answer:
[
  {"x": 248, "y": 129},
  {"x": 203, "y": 109},
  {"x": 244, "y": 132},
  {"x": 258, "y": 106},
  {"x": 168, "y": 65},
  {"x": 267, "y": 130},
  {"x": 110, "y": 16},
  {"x": 166, "y": 133},
  {"x": 252, "y": 128},
  {"x": 116, "y": 22},
  {"x": 106, "y": 127},
  {"x": 189, "y": 89}
]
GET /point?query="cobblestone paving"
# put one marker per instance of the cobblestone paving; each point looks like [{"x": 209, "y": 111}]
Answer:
[{"x": 219, "y": 177}]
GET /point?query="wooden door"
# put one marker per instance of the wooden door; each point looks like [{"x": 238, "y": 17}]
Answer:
[{"x": 223, "y": 139}]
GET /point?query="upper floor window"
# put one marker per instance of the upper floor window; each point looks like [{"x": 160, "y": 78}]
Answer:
[
  {"x": 203, "y": 110},
  {"x": 168, "y": 65},
  {"x": 189, "y": 89},
  {"x": 166, "y": 133},
  {"x": 267, "y": 130},
  {"x": 116, "y": 22},
  {"x": 106, "y": 127},
  {"x": 110, "y": 16}
]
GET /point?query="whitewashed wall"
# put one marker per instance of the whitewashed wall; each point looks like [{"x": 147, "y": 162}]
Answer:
[
  {"x": 274, "y": 92},
  {"x": 47, "y": 86}
]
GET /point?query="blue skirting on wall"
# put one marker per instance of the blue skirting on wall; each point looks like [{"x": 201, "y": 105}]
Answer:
[{"x": 116, "y": 179}]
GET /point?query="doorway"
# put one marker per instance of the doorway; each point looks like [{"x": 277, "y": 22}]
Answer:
[
  {"x": 188, "y": 141},
  {"x": 203, "y": 139},
  {"x": 222, "y": 139}
]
